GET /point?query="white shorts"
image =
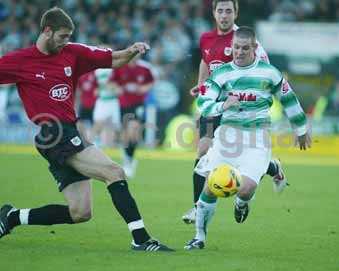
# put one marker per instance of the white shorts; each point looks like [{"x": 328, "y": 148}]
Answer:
[
  {"x": 248, "y": 151},
  {"x": 107, "y": 110}
]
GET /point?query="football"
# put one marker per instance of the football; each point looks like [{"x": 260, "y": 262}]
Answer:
[{"x": 224, "y": 181}]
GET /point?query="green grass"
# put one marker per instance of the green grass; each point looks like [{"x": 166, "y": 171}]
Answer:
[{"x": 298, "y": 230}]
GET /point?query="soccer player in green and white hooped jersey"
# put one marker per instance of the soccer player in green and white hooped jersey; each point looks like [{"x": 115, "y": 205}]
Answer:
[
  {"x": 215, "y": 47},
  {"x": 253, "y": 86},
  {"x": 107, "y": 109},
  {"x": 241, "y": 91}
]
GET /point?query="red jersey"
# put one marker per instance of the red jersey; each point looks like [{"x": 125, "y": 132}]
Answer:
[
  {"x": 217, "y": 49},
  {"x": 88, "y": 87},
  {"x": 46, "y": 83},
  {"x": 130, "y": 77}
]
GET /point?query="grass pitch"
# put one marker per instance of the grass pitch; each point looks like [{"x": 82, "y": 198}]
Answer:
[{"x": 297, "y": 230}]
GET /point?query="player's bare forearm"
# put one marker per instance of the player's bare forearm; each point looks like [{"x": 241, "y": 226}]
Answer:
[
  {"x": 203, "y": 72},
  {"x": 122, "y": 57},
  {"x": 203, "y": 75}
]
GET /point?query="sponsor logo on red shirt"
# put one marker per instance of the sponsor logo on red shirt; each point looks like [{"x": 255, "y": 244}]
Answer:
[{"x": 60, "y": 92}]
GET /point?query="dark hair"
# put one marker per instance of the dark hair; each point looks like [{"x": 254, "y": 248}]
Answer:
[
  {"x": 56, "y": 18},
  {"x": 245, "y": 32},
  {"x": 235, "y": 4}
]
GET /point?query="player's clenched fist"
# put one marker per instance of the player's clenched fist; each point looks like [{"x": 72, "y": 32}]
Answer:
[
  {"x": 194, "y": 91},
  {"x": 139, "y": 47}
]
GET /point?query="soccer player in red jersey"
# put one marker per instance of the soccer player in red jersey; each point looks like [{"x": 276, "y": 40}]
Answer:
[
  {"x": 46, "y": 76},
  {"x": 216, "y": 49},
  {"x": 134, "y": 81}
]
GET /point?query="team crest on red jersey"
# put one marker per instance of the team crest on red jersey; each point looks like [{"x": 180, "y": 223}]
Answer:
[
  {"x": 228, "y": 51},
  {"x": 68, "y": 71}
]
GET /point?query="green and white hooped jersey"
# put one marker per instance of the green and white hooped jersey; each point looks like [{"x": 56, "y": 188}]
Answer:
[
  {"x": 102, "y": 76},
  {"x": 254, "y": 85}
]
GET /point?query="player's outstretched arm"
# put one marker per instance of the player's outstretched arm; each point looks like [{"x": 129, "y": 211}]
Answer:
[
  {"x": 122, "y": 57},
  {"x": 203, "y": 75},
  {"x": 294, "y": 113}
]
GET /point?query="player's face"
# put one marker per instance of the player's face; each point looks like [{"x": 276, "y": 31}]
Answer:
[
  {"x": 243, "y": 51},
  {"x": 224, "y": 15},
  {"x": 57, "y": 40}
]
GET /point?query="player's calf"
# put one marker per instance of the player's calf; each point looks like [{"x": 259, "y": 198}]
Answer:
[{"x": 80, "y": 215}]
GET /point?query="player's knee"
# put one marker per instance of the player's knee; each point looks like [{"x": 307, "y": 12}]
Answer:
[
  {"x": 80, "y": 215},
  {"x": 116, "y": 174},
  {"x": 120, "y": 174}
]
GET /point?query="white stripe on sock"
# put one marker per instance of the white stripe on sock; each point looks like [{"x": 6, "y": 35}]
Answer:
[
  {"x": 135, "y": 225},
  {"x": 23, "y": 216}
]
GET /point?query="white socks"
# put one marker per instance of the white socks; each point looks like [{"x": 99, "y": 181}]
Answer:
[{"x": 205, "y": 212}]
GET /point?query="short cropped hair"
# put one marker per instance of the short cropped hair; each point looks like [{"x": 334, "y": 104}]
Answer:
[
  {"x": 56, "y": 18},
  {"x": 245, "y": 32},
  {"x": 235, "y": 4}
]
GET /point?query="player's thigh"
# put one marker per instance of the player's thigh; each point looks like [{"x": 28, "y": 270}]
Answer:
[
  {"x": 213, "y": 158},
  {"x": 253, "y": 162},
  {"x": 94, "y": 163},
  {"x": 79, "y": 197}
]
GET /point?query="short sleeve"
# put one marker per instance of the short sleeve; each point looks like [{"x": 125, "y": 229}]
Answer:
[{"x": 90, "y": 58}]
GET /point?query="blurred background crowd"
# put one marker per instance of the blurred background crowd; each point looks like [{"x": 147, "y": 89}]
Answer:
[{"x": 173, "y": 29}]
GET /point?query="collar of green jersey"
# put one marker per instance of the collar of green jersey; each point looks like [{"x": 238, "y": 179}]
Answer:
[{"x": 236, "y": 67}]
